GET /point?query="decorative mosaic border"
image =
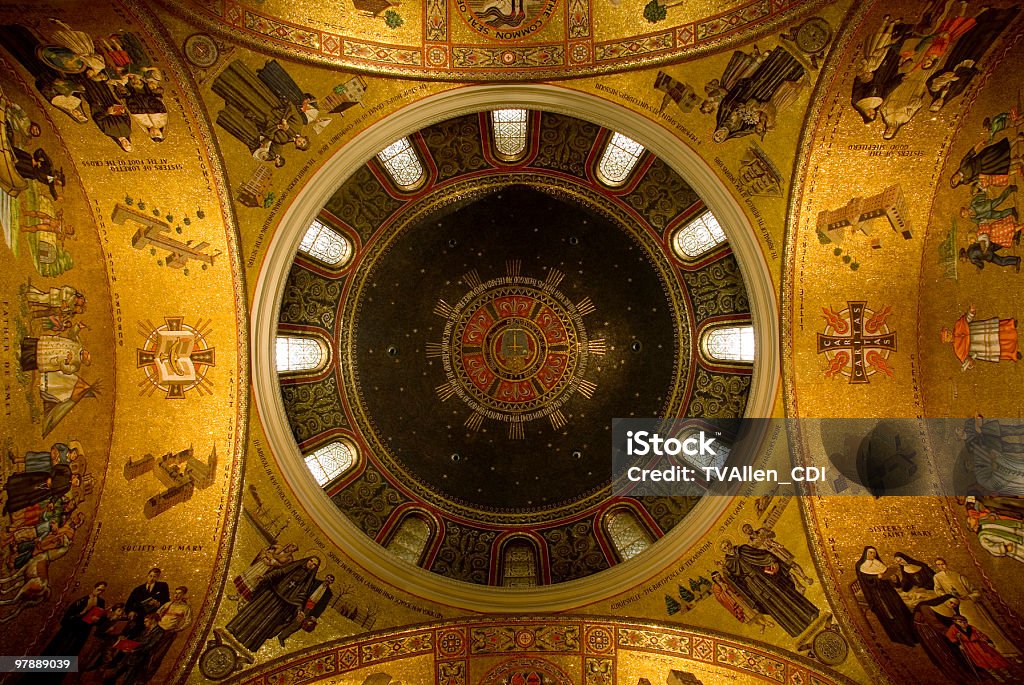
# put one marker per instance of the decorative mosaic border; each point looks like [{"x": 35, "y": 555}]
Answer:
[
  {"x": 451, "y": 645},
  {"x": 840, "y": 46},
  {"x": 437, "y": 57}
]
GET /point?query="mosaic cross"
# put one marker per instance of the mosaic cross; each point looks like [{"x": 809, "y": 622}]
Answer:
[{"x": 859, "y": 334}]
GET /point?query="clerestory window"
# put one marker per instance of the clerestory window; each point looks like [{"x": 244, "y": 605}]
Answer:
[
  {"x": 323, "y": 243},
  {"x": 410, "y": 539},
  {"x": 729, "y": 343},
  {"x": 698, "y": 237},
  {"x": 331, "y": 461},
  {"x": 620, "y": 156},
  {"x": 627, "y": 534},
  {"x": 519, "y": 565},
  {"x": 296, "y": 354},
  {"x": 402, "y": 164},
  {"x": 509, "y": 127}
]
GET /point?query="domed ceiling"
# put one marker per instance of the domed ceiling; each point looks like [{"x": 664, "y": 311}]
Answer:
[
  {"x": 479, "y": 384},
  {"x": 149, "y": 230}
]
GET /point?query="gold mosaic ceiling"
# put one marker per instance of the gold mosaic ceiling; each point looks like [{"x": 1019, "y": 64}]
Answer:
[
  {"x": 499, "y": 39},
  {"x": 808, "y": 153}
]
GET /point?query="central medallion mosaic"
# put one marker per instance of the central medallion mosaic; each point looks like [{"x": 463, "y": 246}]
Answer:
[{"x": 515, "y": 349}]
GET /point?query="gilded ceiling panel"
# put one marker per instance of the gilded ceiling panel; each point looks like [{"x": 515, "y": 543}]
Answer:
[
  {"x": 683, "y": 592},
  {"x": 911, "y": 166},
  {"x": 124, "y": 334},
  {"x": 503, "y": 39},
  {"x": 126, "y": 346},
  {"x": 545, "y": 651}
]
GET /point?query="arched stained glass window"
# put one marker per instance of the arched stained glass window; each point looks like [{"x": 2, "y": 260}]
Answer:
[
  {"x": 698, "y": 237},
  {"x": 628, "y": 535},
  {"x": 410, "y": 540},
  {"x": 620, "y": 156},
  {"x": 324, "y": 243},
  {"x": 509, "y": 132},
  {"x": 729, "y": 343},
  {"x": 330, "y": 461},
  {"x": 296, "y": 354},
  {"x": 701, "y": 460},
  {"x": 401, "y": 162},
  {"x": 519, "y": 565}
]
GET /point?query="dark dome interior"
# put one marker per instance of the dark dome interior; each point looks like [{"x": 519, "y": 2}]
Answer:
[
  {"x": 396, "y": 326},
  {"x": 491, "y": 323}
]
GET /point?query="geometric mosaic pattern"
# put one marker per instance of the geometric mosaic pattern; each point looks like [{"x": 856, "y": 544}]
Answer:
[
  {"x": 565, "y": 44},
  {"x": 590, "y": 647}
]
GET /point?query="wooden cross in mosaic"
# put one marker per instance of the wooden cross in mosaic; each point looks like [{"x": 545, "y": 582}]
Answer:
[{"x": 858, "y": 340}]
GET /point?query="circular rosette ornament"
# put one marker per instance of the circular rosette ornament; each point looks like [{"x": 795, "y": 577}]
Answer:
[
  {"x": 507, "y": 19},
  {"x": 515, "y": 349}
]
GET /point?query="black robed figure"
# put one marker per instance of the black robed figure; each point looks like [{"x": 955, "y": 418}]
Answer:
[
  {"x": 878, "y": 583},
  {"x": 766, "y": 579},
  {"x": 75, "y": 627},
  {"x": 34, "y": 487},
  {"x": 277, "y": 598}
]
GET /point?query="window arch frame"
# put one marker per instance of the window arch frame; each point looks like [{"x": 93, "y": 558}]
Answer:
[
  {"x": 355, "y": 458},
  {"x": 409, "y": 147},
  {"x": 327, "y": 225},
  {"x": 716, "y": 243},
  {"x": 621, "y": 142},
  {"x": 744, "y": 328},
  {"x": 492, "y": 128},
  {"x": 608, "y": 518},
  {"x": 723, "y": 447},
  {"x": 325, "y": 354},
  {"x": 520, "y": 541},
  {"x": 427, "y": 543}
]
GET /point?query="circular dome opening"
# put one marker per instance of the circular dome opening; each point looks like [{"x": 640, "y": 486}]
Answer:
[{"x": 495, "y": 314}]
